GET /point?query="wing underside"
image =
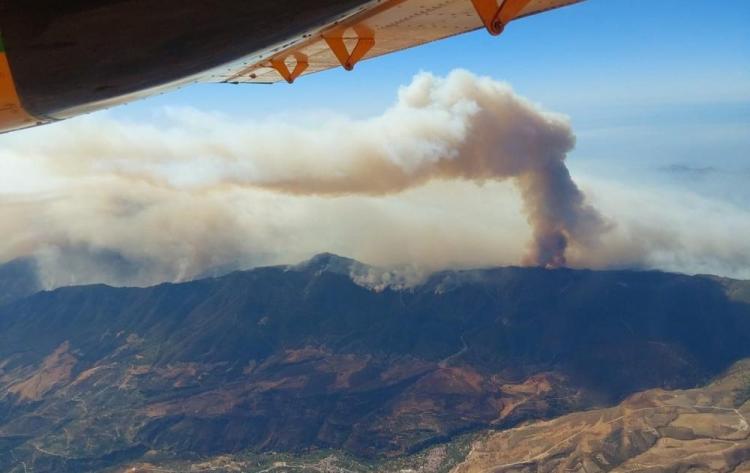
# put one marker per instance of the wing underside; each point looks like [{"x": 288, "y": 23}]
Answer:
[
  {"x": 59, "y": 63},
  {"x": 380, "y": 28}
]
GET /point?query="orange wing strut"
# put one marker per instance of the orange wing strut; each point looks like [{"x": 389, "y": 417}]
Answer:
[
  {"x": 365, "y": 42},
  {"x": 495, "y": 18},
  {"x": 279, "y": 63}
]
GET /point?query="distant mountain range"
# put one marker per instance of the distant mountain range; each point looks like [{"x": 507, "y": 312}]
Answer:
[{"x": 333, "y": 355}]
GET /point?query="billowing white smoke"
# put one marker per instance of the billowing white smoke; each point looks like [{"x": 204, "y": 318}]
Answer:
[
  {"x": 425, "y": 183},
  {"x": 462, "y": 127}
]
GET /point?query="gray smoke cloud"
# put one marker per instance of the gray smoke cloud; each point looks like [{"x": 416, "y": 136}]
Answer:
[
  {"x": 461, "y": 127},
  {"x": 459, "y": 172}
]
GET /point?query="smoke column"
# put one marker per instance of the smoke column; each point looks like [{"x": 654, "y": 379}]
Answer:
[
  {"x": 460, "y": 127},
  {"x": 191, "y": 194}
]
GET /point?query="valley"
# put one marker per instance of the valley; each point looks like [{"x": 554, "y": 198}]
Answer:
[{"x": 305, "y": 368}]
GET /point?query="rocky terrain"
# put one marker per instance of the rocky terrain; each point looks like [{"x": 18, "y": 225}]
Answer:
[
  {"x": 315, "y": 367},
  {"x": 698, "y": 430}
]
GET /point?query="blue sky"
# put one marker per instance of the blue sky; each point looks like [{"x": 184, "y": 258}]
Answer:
[
  {"x": 648, "y": 84},
  {"x": 601, "y": 54}
]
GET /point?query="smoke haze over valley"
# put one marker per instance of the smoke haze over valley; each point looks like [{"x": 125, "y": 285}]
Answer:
[{"x": 459, "y": 172}]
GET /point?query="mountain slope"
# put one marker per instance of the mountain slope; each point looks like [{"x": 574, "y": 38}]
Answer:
[
  {"x": 698, "y": 430},
  {"x": 18, "y": 279},
  {"x": 292, "y": 358},
  {"x": 702, "y": 429}
]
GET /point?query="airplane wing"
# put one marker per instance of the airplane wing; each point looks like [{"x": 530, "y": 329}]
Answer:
[
  {"x": 386, "y": 27},
  {"x": 62, "y": 59}
]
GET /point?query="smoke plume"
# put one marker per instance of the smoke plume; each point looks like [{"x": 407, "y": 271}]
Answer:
[
  {"x": 458, "y": 172},
  {"x": 461, "y": 127}
]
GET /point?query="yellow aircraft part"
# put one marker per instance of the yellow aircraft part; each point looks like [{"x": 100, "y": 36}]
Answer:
[{"x": 12, "y": 114}]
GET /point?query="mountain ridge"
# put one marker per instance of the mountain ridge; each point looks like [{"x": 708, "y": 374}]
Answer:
[
  {"x": 25, "y": 272},
  {"x": 290, "y": 358}
]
